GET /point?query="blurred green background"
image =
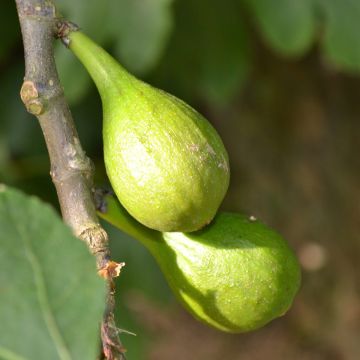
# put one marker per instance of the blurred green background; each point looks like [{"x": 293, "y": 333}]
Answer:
[{"x": 280, "y": 82}]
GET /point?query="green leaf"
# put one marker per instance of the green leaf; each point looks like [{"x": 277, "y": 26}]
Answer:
[
  {"x": 10, "y": 28},
  {"x": 74, "y": 78},
  {"x": 287, "y": 25},
  {"x": 23, "y": 135},
  {"x": 341, "y": 37},
  {"x": 51, "y": 299},
  {"x": 90, "y": 15},
  {"x": 225, "y": 54},
  {"x": 140, "y": 29},
  {"x": 208, "y": 55}
]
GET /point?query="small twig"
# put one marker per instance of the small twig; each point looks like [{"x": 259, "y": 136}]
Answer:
[{"x": 71, "y": 170}]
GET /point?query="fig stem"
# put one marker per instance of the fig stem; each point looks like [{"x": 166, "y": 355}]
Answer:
[
  {"x": 71, "y": 170},
  {"x": 106, "y": 72},
  {"x": 110, "y": 209}
]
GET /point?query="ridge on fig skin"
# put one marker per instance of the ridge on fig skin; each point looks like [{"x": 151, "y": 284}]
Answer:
[
  {"x": 235, "y": 275},
  {"x": 166, "y": 163}
]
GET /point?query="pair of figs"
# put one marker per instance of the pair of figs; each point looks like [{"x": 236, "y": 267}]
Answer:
[{"x": 170, "y": 172}]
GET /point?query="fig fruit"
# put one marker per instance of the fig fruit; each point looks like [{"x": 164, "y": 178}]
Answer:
[
  {"x": 166, "y": 163},
  {"x": 236, "y": 274}
]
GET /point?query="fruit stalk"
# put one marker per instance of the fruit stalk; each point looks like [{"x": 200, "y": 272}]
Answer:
[
  {"x": 109, "y": 76},
  {"x": 116, "y": 215}
]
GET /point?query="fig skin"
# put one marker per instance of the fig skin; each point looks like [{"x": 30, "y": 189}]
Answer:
[
  {"x": 166, "y": 163},
  {"x": 235, "y": 275}
]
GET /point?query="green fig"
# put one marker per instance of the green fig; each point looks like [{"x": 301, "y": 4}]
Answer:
[
  {"x": 236, "y": 274},
  {"x": 166, "y": 163}
]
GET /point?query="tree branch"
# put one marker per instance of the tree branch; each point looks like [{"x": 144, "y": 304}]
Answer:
[{"x": 71, "y": 170}]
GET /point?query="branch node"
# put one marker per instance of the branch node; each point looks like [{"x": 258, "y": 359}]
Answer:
[
  {"x": 78, "y": 160},
  {"x": 111, "y": 270},
  {"x": 63, "y": 29},
  {"x": 30, "y": 96},
  {"x": 99, "y": 199},
  {"x": 97, "y": 240},
  {"x": 28, "y": 92},
  {"x": 35, "y": 107}
]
